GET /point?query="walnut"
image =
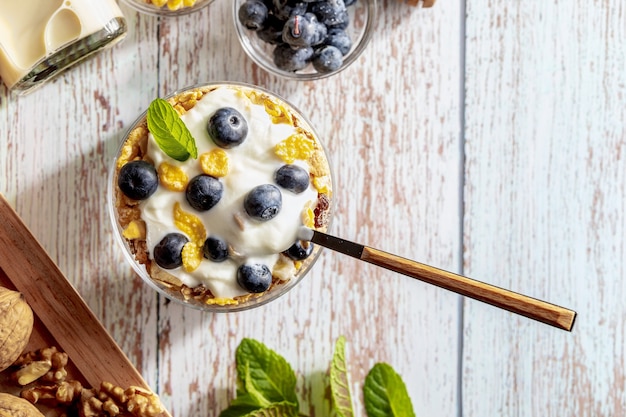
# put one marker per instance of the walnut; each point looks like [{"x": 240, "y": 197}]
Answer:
[
  {"x": 31, "y": 372},
  {"x": 16, "y": 326},
  {"x": 143, "y": 403},
  {"x": 32, "y": 363},
  {"x": 62, "y": 394},
  {"x": 112, "y": 401},
  {"x": 89, "y": 405}
]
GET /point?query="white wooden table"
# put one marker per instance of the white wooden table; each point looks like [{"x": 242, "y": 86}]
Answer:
[{"x": 483, "y": 137}]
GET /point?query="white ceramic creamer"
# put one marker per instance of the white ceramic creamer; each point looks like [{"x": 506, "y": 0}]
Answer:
[{"x": 41, "y": 38}]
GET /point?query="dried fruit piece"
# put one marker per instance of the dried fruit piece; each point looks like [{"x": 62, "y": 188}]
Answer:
[
  {"x": 215, "y": 163},
  {"x": 296, "y": 146},
  {"x": 12, "y": 406},
  {"x": 172, "y": 177},
  {"x": 16, "y": 325}
]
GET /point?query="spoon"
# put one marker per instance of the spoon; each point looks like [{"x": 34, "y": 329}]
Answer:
[{"x": 529, "y": 307}]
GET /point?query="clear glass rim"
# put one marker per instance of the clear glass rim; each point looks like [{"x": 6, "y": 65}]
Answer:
[
  {"x": 163, "y": 11},
  {"x": 244, "y": 38},
  {"x": 274, "y": 293}
]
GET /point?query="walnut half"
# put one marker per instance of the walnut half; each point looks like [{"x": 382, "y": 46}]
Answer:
[
  {"x": 112, "y": 401},
  {"x": 62, "y": 394}
]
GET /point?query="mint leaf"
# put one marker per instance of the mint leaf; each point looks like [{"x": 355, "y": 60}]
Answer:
[
  {"x": 169, "y": 131},
  {"x": 274, "y": 410},
  {"x": 339, "y": 382},
  {"x": 385, "y": 394},
  {"x": 239, "y": 410},
  {"x": 265, "y": 375}
]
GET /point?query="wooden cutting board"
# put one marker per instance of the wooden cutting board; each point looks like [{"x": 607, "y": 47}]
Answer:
[{"x": 62, "y": 318}]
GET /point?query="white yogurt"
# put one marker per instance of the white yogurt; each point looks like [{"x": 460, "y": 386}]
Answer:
[{"x": 250, "y": 164}]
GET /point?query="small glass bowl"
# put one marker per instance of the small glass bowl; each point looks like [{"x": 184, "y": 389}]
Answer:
[
  {"x": 362, "y": 17},
  {"x": 182, "y": 295},
  {"x": 149, "y": 7}
]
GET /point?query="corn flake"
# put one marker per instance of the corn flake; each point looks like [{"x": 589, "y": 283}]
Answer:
[
  {"x": 308, "y": 217},
  {"x": 190, "y": 225},
  {"x": 192, "y": 256},
  {"x": 136, "y": 229},
  {"x": 296, "y": 146},
  {"x": 322, "y": 184},
  {"x": 172, "y": 177},
  {"x": 174, "y": 4},
  {"x": 214, "y": 163}
]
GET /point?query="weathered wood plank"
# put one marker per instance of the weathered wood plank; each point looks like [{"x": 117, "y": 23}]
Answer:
[{"x": 544, "y": 199}]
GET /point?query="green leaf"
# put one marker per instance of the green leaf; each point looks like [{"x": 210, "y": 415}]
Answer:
[
  {"x": 273, "y": 410},
  {"x": 265, "y": 375},
  {"x": 169, "y": 131},
  {"x": 385, "y": 394},
  {"x": 339, "y": 381}
]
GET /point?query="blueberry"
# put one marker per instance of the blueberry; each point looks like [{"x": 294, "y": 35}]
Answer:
[
  {"x": 327, "y": 58},
  {"x": 215, "y": 249},
  {"x": 263, "y": 202},
  {"x": 168, "y": 252},
  {"x": 203, "y": 192},
  {"x": 227, "y": 127},
  {"x": 289, "y": 59},
  {"x": 300, "y": 250},
  {"x": 138, "y": 180},
  {"x": 330, "y": 12},
  {"x": 254, "y": 278},
  {"x": 252, "y": 14},
  {"x": 292, "y": 178},
  {"x": 340, "y": 39},
  {"x": 303, "y": 31},
  {"x": 272, "y": 33},
  {"x": 291, "y": 8}
]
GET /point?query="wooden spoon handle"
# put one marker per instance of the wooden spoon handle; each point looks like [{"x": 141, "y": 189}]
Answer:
[
  {"x": 425, "y": 3},
  {"x": 532, "y": 308},
  {"x": 508, "y": 300}
]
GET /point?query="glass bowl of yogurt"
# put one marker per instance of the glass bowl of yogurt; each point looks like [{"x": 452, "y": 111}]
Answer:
[
  {"x": 209, "y": 191},
  {"x": 304, "y": 40},
  {"x": 167, "y": 7}
]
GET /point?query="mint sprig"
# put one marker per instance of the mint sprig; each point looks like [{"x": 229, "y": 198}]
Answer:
[
  {"x": 170, "y": 132},
  {"x": 385, "y": 394},
  {"x": 267, "y": 384},
  {"x": 339, "y": 382}
]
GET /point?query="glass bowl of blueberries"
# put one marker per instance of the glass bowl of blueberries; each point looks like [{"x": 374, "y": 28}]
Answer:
[{"x": 304, "y": 39}]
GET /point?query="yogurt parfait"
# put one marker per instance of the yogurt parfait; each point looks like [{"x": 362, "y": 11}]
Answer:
[{"x": 209, "y": 190}]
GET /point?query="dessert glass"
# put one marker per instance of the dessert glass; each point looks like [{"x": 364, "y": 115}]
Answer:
[
  {"x": 177, "y": 294},
  {"x": 161, "y": 8},
  {"x": 362, "y": 16}
]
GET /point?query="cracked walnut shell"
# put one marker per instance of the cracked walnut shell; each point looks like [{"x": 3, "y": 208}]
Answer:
[{"x": 16, "y": 325}]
